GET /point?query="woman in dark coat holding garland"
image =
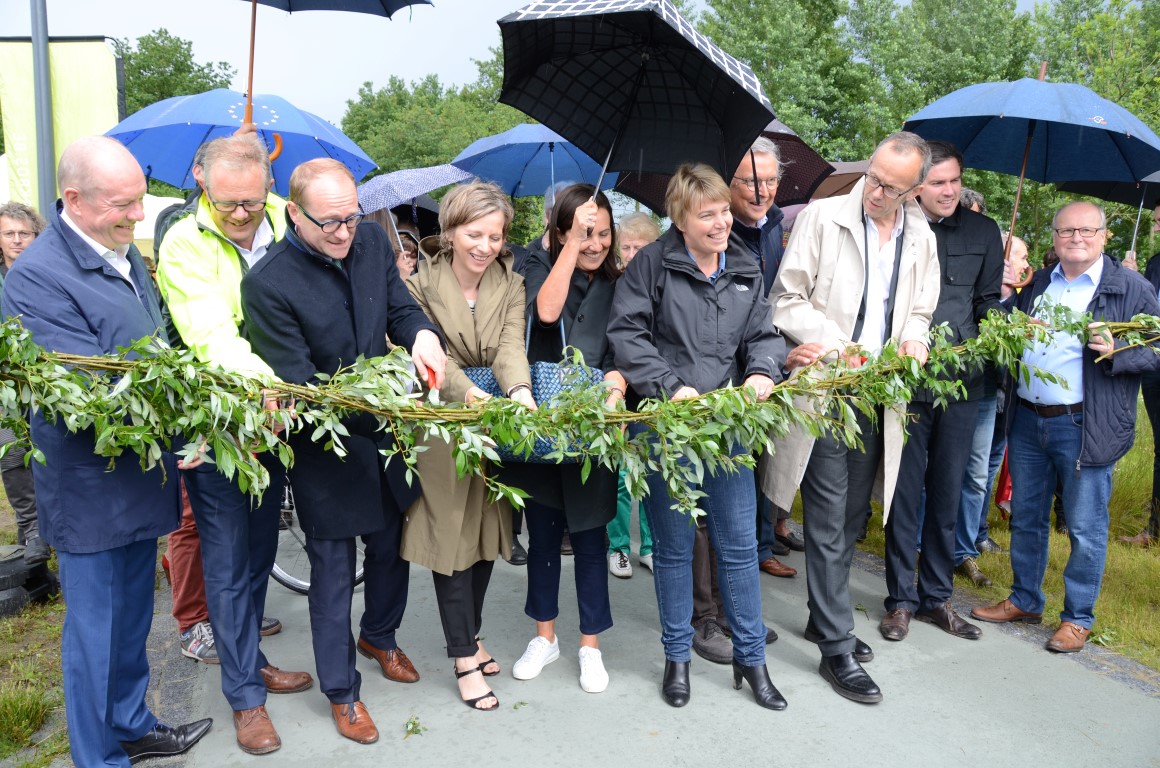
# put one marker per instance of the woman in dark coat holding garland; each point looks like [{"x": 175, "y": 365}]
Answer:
[{"x": 572, "y": 288}]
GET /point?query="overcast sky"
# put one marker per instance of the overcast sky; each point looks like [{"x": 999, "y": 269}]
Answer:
[{"x": 315, "y": 59}]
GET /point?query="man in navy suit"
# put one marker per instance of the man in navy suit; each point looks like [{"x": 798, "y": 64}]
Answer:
[{"x": 82, "y": 288}]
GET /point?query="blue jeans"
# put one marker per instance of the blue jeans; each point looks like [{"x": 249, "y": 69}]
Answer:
[
  {"x": 768, "y": 516},
  {"x": 974, "y": 502},
  {"x": 731, "y": 520},
  {"x": 1040, "y": 450}
]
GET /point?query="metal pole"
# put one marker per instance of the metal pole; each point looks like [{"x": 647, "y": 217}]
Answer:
[{"x": 45, "y": 148}]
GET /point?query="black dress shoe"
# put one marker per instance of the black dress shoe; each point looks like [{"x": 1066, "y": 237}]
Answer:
[
  {"x": 793, "y": 541},
  {"x": 862, "y": 652},
  {"x": 165, "y": 740},
  {"x": 778, "y": 548},
  {"x": 675, "y": 686},
  {"x": 945, "y": 618},
  {"x": 758, "y": 678},
  {"x": 848, "y": 679},
  {"x": 519, "y": 554}
]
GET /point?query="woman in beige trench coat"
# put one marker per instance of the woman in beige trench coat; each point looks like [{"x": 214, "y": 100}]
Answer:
[{"x": 467, "y": 287}]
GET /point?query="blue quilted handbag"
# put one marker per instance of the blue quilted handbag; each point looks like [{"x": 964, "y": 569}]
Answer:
[{"x": 548, "y": 381}]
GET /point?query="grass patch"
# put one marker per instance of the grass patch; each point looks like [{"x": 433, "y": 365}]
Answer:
[{"x": 1128, "y": 609}]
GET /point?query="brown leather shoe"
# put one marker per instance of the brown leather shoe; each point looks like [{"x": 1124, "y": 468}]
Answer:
[
  {"x": 354, "y": 722},
  {"x": 256, "y": 734},
  {"x": 281, "y": 681},
  {"x": 775, "y": 567},
  {"x": 1005, "y": 611},
  {"x": 1141, "y": 539},
  {"x": 1069, "y": 638},
  {"x": 945, "y": 618},
  {"x": 970, "y": 568},
  {"x": 895, "y": 625},
  {"x": 395, "y": 664}
]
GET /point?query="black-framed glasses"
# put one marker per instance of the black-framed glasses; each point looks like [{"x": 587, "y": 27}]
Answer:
[
  {"x": 751, "y": 183},
  {"x": 873, "y": 182},
  {"x": 229, "y": 206},
  {"x": 1087, "y": 233},
  {"x": 330, "y": 226}
]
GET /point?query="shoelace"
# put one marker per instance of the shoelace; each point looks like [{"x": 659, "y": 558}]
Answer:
[
  {"x": 204, "y": 633},
  {"x": 621, "y": 560}
]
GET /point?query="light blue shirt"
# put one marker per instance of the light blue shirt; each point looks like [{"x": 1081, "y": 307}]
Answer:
[
  {"x": 1063, "y": 355},
  {"x": 720, "y": 264}
]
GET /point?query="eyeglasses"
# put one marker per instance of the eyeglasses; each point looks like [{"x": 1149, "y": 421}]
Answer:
[
  {"x": 1087, "y": 233},
  {"x": 330, "y": 226},
  {"x": 873, "y": 182},
  {"x": 17, "y": 234},
  {"x": 229, "y": 206},
  {"x": 751, "y": 183}
]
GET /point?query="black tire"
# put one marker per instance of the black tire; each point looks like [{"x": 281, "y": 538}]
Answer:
[
  {"x": 13, "y": 600},
  {"x": 13, "y": 573}
]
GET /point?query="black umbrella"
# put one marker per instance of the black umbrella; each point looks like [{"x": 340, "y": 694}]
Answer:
[
  {"x": 1144, "y": 193},
  {"x": 422, "y": 212},
  {"x": 802, "y": 170},
  {"x": 633, "y": 82}
]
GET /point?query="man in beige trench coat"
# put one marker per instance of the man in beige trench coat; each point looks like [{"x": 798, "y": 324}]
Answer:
[{"x": 826, "y": 301}]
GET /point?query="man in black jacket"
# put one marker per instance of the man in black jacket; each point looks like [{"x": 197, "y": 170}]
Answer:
[
  {"x": 327, "y": 293},
  {"x": 970, "y": 255}
]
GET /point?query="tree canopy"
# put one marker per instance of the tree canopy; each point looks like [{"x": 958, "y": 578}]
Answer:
[{"x": 161, "y": 66}]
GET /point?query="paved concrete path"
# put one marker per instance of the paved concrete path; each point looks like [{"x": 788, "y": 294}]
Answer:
[{"x": 1000, "y": 701}]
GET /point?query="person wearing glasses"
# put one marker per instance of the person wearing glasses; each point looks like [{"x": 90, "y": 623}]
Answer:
[
  {"x": 324, "y": 296},
  {"x": 859, "y": 270},
  {"x": 19, "y": 226},
  {"x": 202, "y": 259},
  {"x": 1073, "y": 429}
]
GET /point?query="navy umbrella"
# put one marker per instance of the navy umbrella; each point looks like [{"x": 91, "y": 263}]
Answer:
[
  {"x": 527, "y": 160},
  {"x": 388, "y": 190},
  {"x": 164, "y": 136},
  {"x": 1049, "y": 132},
  {"x": 631, "y": 81}
]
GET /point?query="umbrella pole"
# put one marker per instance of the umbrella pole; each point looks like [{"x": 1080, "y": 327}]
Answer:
[
  {"x": 249, "y": 118},
  {"x": 756, "y": 185},
  {"x": 1022, "y": 172},
  {"x": 1139, "y": 213}
]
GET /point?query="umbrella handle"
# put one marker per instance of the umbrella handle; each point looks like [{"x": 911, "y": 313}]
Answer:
[
  {"x": 277, "y": 147},
  {"x": 1024, "y": 277}
]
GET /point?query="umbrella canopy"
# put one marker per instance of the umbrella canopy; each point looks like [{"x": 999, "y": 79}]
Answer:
[
  {"x": 1144, "y": 193},
  {"x": 1073, "y": 134},
  {"x": 422, "y": 211},
  {"x": 802, "y": 170},
  {"x": 528, "y": 159},
  {"x": 164, "y": 136},
  {"x": 397, "y": 187},
  {"x": 631, "y": 82},
  {"x": 842, "y": 180}
]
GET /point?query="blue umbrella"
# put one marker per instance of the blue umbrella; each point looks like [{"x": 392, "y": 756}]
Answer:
[
  {"x": 528, "y": 159},
  {"x": 397, "y": 187},
  {"x": 164, "y": 136},
  {"x": 1072, "y": 134}
]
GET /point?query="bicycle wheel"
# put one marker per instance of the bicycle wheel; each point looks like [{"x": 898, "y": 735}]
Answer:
[{"x": 291, "y": 563}]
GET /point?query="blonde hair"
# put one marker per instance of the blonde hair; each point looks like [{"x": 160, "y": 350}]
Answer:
[
  {"x": 639, "y": 225},
  {"x": 469, "y": 202},
  {"x": 691, "y": 186},
  {"x": 235, "y": 152},
  {"x": 307, "y": 172}
]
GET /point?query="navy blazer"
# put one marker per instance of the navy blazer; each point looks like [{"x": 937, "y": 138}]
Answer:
[
  {"x": 306, "y": 315},
  {"x": 72, "y": 300}
]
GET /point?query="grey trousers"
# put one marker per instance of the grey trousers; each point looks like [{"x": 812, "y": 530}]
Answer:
[
  {"x": 22, "y": 496},
  {"x": 835, "y": 491}
]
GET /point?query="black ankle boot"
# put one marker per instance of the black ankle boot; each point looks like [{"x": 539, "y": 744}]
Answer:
[
  {"x": 675, "y": 686},
  {"x": 758, "y": 678}
]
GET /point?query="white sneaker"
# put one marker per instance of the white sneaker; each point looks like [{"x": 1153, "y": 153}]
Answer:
[
  {"x": 593, "y": 677},
  {"x": 619, "y": 566},
  {"x": 539, "y": 654},
  {"x": 646, "y": 561}
]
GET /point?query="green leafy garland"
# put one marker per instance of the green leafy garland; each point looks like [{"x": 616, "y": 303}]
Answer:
[{"x": 150, "y": 399}]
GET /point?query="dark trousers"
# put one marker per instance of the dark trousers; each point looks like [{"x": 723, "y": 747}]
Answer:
[
  {"x": 239, "y": 539},
  {"x": 332, "y": 568},
  {"x": 546, "y": 527},
  {"x": 1150, "y": 387},
  {"x": 460, "y": 598},
  {"x": 707, "y": 605},
  {"x": 21, "y": 493},
  {"x": 935, "y": 456},
  {"x": 835, "y": 493},
  {"x": 108, "y": 597}
]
